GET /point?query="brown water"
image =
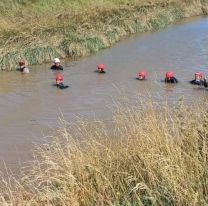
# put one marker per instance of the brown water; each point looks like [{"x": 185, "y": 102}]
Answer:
[{"x": 30, "y": 105}]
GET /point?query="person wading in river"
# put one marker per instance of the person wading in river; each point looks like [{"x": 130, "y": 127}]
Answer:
[
  {"x": 57, "y": 65},
  {"x": 101, "y": 68},
  {"x": 141, "y": 75},
  {"x": 59, "y": 81},
  {"x": 23, "y": 65},
  {"x": 169, "y": 77},
  {"x": 198, "y": 79}
]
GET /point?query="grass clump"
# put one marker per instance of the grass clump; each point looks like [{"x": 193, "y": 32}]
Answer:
[
  {"x": 93, "y": 44},
  {"x": 159, "y": 159},
  {"x": 112, "y": 36},
  {"x": 177, "y": 13},
  {"x": 40, "y": 54}
]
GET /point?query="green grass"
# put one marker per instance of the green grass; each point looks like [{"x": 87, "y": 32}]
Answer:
[{"x": 40, "y": 54}]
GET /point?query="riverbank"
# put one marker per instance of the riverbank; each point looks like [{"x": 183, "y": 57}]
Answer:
[
  {"x": 68, "y": 29},
  {"x": 160, "y": 159}
]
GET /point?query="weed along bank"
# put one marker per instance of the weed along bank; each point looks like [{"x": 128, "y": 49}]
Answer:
[
  {"x": 147, "y": 161},
  {"x": 45, "y": 30}
]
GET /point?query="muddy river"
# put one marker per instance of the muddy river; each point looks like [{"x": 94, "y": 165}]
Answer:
[{"x": 30, "y": 105}]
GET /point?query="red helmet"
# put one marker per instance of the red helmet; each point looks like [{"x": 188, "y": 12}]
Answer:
[
  {"x": 100, "y": 66},
  {"x": 200, "y": 74},
  {"x": 22, "y": 62},
  {"x": 59, "y": 77},
  {"x": 169, "y": 74},
  {"x": 142, "y": 74}
]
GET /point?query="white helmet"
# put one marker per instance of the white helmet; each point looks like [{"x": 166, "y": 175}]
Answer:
[{"x": 56, "y": 60}]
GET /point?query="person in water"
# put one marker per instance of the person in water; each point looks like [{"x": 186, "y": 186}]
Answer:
[
  {"x": 141, "y": 75},
  {"x": 198, "y": 79},
  {"x": 59, "y": 81},
  {"x": 23, "y": 65},
  {"x": 57, "y": 65},
  {"x": 169, "y": 77},
  {"x": 101, "y": 68}
]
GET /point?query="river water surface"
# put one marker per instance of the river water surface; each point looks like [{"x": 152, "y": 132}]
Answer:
[{"x": 30, "y": 104}]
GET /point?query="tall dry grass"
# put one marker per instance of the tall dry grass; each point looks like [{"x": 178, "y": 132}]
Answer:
[
  {"x": 25, "y": 16},
  {"x": 151, "y": 155}
]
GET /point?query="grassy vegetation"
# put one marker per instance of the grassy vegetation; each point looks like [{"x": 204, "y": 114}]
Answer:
[
  {"x": 43, "y": 29},
  {"x": 159, "y": 159}
]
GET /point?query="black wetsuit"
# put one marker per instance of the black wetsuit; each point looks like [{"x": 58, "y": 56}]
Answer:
[
  {"x": 54, "y": 67},
  {"x": 173, "y": 80},
  {"x": 22, "y": 68},
  {"x": 62, "y": 86},
  {"x": 200, "y": 82},
  {"x": 140, "y": 79},
  {"x": 100, "y": 71},
  {"x": 205, "y": 83}
]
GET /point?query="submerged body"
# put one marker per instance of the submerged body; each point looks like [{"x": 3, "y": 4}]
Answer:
[
  {"x": 141, "y": 75},
  {"x": 198, "y": 82},
  {"x": 59, "y": 81},
  {"x": 57, "y": 66},
  {"x": 205, "y": 83},
  {"x": 198, "y": 79},
  {"x": 25, "y": 70},
  {"x": 101, "y": 68},
  {"x": 62, "y": 86},
  {"x": 23, "y": 66},
  {"x": 171, "y": 80}
]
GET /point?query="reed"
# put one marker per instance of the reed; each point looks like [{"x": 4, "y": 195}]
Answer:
[{"x": 150, "y": 155}]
